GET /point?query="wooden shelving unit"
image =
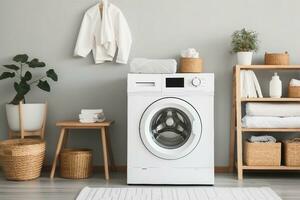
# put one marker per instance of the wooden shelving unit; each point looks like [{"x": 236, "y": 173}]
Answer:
[{"x": 236, "y": 119}]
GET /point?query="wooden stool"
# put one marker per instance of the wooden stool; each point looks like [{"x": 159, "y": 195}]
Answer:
[{"x": 65, "y": 126}]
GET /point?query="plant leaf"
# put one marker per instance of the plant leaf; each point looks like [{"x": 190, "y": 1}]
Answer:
[
  {"x": 35, "y": 63},
  {"x": 44, "y": 85},
  {"x": 6, "y": 75},
  {"x": 21, "y": 58},
  {"x": 22, "y": 88},
  {"x": 12, "y": 67},
  {"x": 27, "y": 76},
  {"x": 51, "y": 74}
]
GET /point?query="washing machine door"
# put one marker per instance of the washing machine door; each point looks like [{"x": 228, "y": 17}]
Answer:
[{"x": 170, "y": 128}]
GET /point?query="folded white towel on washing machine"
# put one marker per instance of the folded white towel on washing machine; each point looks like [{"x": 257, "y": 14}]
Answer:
[{"x": 153, "y": 66}]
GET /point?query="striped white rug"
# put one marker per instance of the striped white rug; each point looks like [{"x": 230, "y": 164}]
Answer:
[{"x": 178, "y": 193}]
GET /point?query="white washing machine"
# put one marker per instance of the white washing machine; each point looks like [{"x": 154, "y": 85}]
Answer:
[{"x": 170, "y": 129}]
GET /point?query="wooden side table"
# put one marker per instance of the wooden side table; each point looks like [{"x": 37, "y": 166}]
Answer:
[{"x": 65, "y": 126}]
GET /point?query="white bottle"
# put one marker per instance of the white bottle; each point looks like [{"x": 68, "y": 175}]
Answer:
[{"x": 275, "y": 87}]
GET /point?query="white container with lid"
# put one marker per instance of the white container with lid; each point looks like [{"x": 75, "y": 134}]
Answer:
[{"x": 275, "y": 87}]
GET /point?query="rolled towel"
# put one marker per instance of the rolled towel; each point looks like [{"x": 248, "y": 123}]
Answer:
[
  {"x": 273, "y": 109},
  {"x": 295, "y": 82},
  {"x": 153, "y": 66},
  {"x": 263, "y": 138}
]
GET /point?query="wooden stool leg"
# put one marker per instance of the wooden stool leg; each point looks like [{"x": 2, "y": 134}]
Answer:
[
  {"x": 66, "y": 137},
  {"x": 104, "y": 149},
  {"x": 58, "y": 149},
  {"x": 110, "y": 155},
  {"x": 10, "y": 134}
]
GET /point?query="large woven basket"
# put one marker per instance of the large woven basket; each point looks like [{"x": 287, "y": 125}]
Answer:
[
  {"x": 277, "y": 58},
  {"x": 294, "y": 91},
  {"x": 262, "y": 154},
  {"x": 76, "y": 163},
  {"x": 292, "y": 152},
  {"x": 191, "y": 65},
  {"x": 22, "y": 159}
]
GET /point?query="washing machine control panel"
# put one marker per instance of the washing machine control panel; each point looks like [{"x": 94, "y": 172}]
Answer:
[{"x": 196, "y": 82}]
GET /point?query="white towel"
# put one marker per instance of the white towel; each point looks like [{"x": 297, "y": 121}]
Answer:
[
  {"x": 153, "y": 66},
  {"x": 91, "y": 115},
  {"x": 249, "y": 85},
  {"x": 295, "y": 82},
  {"x": 270, "y": 122},
  {"x": 273, "y": 109},
  {"x": 262, "y": 138}
]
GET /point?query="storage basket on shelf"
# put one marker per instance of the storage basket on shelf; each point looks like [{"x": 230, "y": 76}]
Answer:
[
  {"x": 22, "y": 159},
  {"x": 262, "y": 154},
  {"x": 292, "y": 152},
  {"x": 76, "y": 163},
  {"x": 294, "y": 91},
  {"x": 191, "y": 65},
  {"x": 277, "y": 58}
]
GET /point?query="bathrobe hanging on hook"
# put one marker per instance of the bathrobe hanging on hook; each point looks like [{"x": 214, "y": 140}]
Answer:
[{"x": 104, "y": 32}]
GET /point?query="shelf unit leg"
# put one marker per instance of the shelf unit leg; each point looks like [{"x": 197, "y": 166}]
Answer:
[
  {"x": 238, "y": 125},
  {"x": 232, "y": 125}
]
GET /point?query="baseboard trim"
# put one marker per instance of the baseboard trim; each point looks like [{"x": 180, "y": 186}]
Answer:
[{"x": 123, "y": 168}]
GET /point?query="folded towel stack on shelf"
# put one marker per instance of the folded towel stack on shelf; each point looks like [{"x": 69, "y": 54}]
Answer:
[
  {"x": 272, "y": 115},
  {"x": 91, "y": 115},
  {"x": 263, "y": 138}
]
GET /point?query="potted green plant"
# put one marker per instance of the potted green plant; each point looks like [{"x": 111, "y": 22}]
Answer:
[
  {"x": 21, "y": 71},
  {"x": 244, "y": 43}
]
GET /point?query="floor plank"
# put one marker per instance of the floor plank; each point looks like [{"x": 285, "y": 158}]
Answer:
[{"x": 285, "y": 185}]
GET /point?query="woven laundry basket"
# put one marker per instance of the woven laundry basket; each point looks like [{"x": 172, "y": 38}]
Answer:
[
  {"x": 277, "y": 58},
  {"x": 262, "y": 154},
  {"x": 191, "y": 65},
  {"x": 294, "y": 91},
  {"x": 292, "y": 152},
  {"x": 22, "y": 159},
  {"x": 76, "y": 163}
]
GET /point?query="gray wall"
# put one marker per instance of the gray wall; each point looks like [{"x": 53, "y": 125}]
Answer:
[{"x": 160, "y": 29}]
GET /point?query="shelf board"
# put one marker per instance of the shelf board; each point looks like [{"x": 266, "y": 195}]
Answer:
[
  {"x": 268, "y": 67},
  {"x": 270, "y": 129},
  {"x": 270, "y": 99},
  {"x": 246, "y": 167}
]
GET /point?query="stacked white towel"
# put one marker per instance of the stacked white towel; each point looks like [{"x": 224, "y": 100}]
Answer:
[
  {"x": 249, "y": 85},
  {"x": 91, "y": 115},
  {"x": 295, "y": 82},
  {"x": 263, "y": 138},
  {"x": 272, "y": 115},
  {"x": 153, "y": 66},
  {"x": 190, "y": 53}
]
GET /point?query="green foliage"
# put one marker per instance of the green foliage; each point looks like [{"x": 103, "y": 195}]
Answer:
[
  {"x": 243, "y": 40},
  {"x": 23, "y": 83}
]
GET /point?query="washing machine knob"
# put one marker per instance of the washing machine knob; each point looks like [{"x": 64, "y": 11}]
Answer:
[{"x": 196, "y": 82}]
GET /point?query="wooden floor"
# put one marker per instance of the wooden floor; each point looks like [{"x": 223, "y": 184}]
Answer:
[{"x": 287, "y": 186}]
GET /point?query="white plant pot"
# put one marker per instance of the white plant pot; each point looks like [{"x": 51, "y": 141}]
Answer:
[
  {"x": 244, "y": 58},
  {"x": 33, "y": 115}
]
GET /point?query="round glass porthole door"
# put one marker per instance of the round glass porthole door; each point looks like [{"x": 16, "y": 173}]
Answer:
[{"x": 170, "y": 128}]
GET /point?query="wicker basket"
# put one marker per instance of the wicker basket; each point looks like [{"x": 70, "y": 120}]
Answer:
[
  {"x": 262, "y": 154},
  {"x": 294, "y": 91},
  {"x": 76, "y": 163},
  {"x": 191, "y": 65},
  {"x": 277, "y": 58},
  {"x": 292, "y": 152},
  {"x": 22, "y": 159}
]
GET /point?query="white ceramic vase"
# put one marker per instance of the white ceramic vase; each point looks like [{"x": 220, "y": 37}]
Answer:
[
  {"x": 33, "y": 115},
  {"x": 244, "y": 58}
]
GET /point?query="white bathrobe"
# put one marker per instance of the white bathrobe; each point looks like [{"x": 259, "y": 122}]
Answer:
[{"x": 103, "y": 35}]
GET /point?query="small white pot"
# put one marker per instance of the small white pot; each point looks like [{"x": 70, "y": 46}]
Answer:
[
  {"x": 244, "y": 58},
  {"x": 33, "y": 115}
]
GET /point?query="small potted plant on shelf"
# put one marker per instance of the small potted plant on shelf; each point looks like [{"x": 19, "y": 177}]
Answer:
[
  {"x": 244, "y": 43},
  {"x": 21, "y": 71}
]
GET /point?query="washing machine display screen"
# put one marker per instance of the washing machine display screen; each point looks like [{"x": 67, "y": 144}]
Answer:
[
  {"x": 171, "y": 128},
  {"x": 175, "y": 82}
]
